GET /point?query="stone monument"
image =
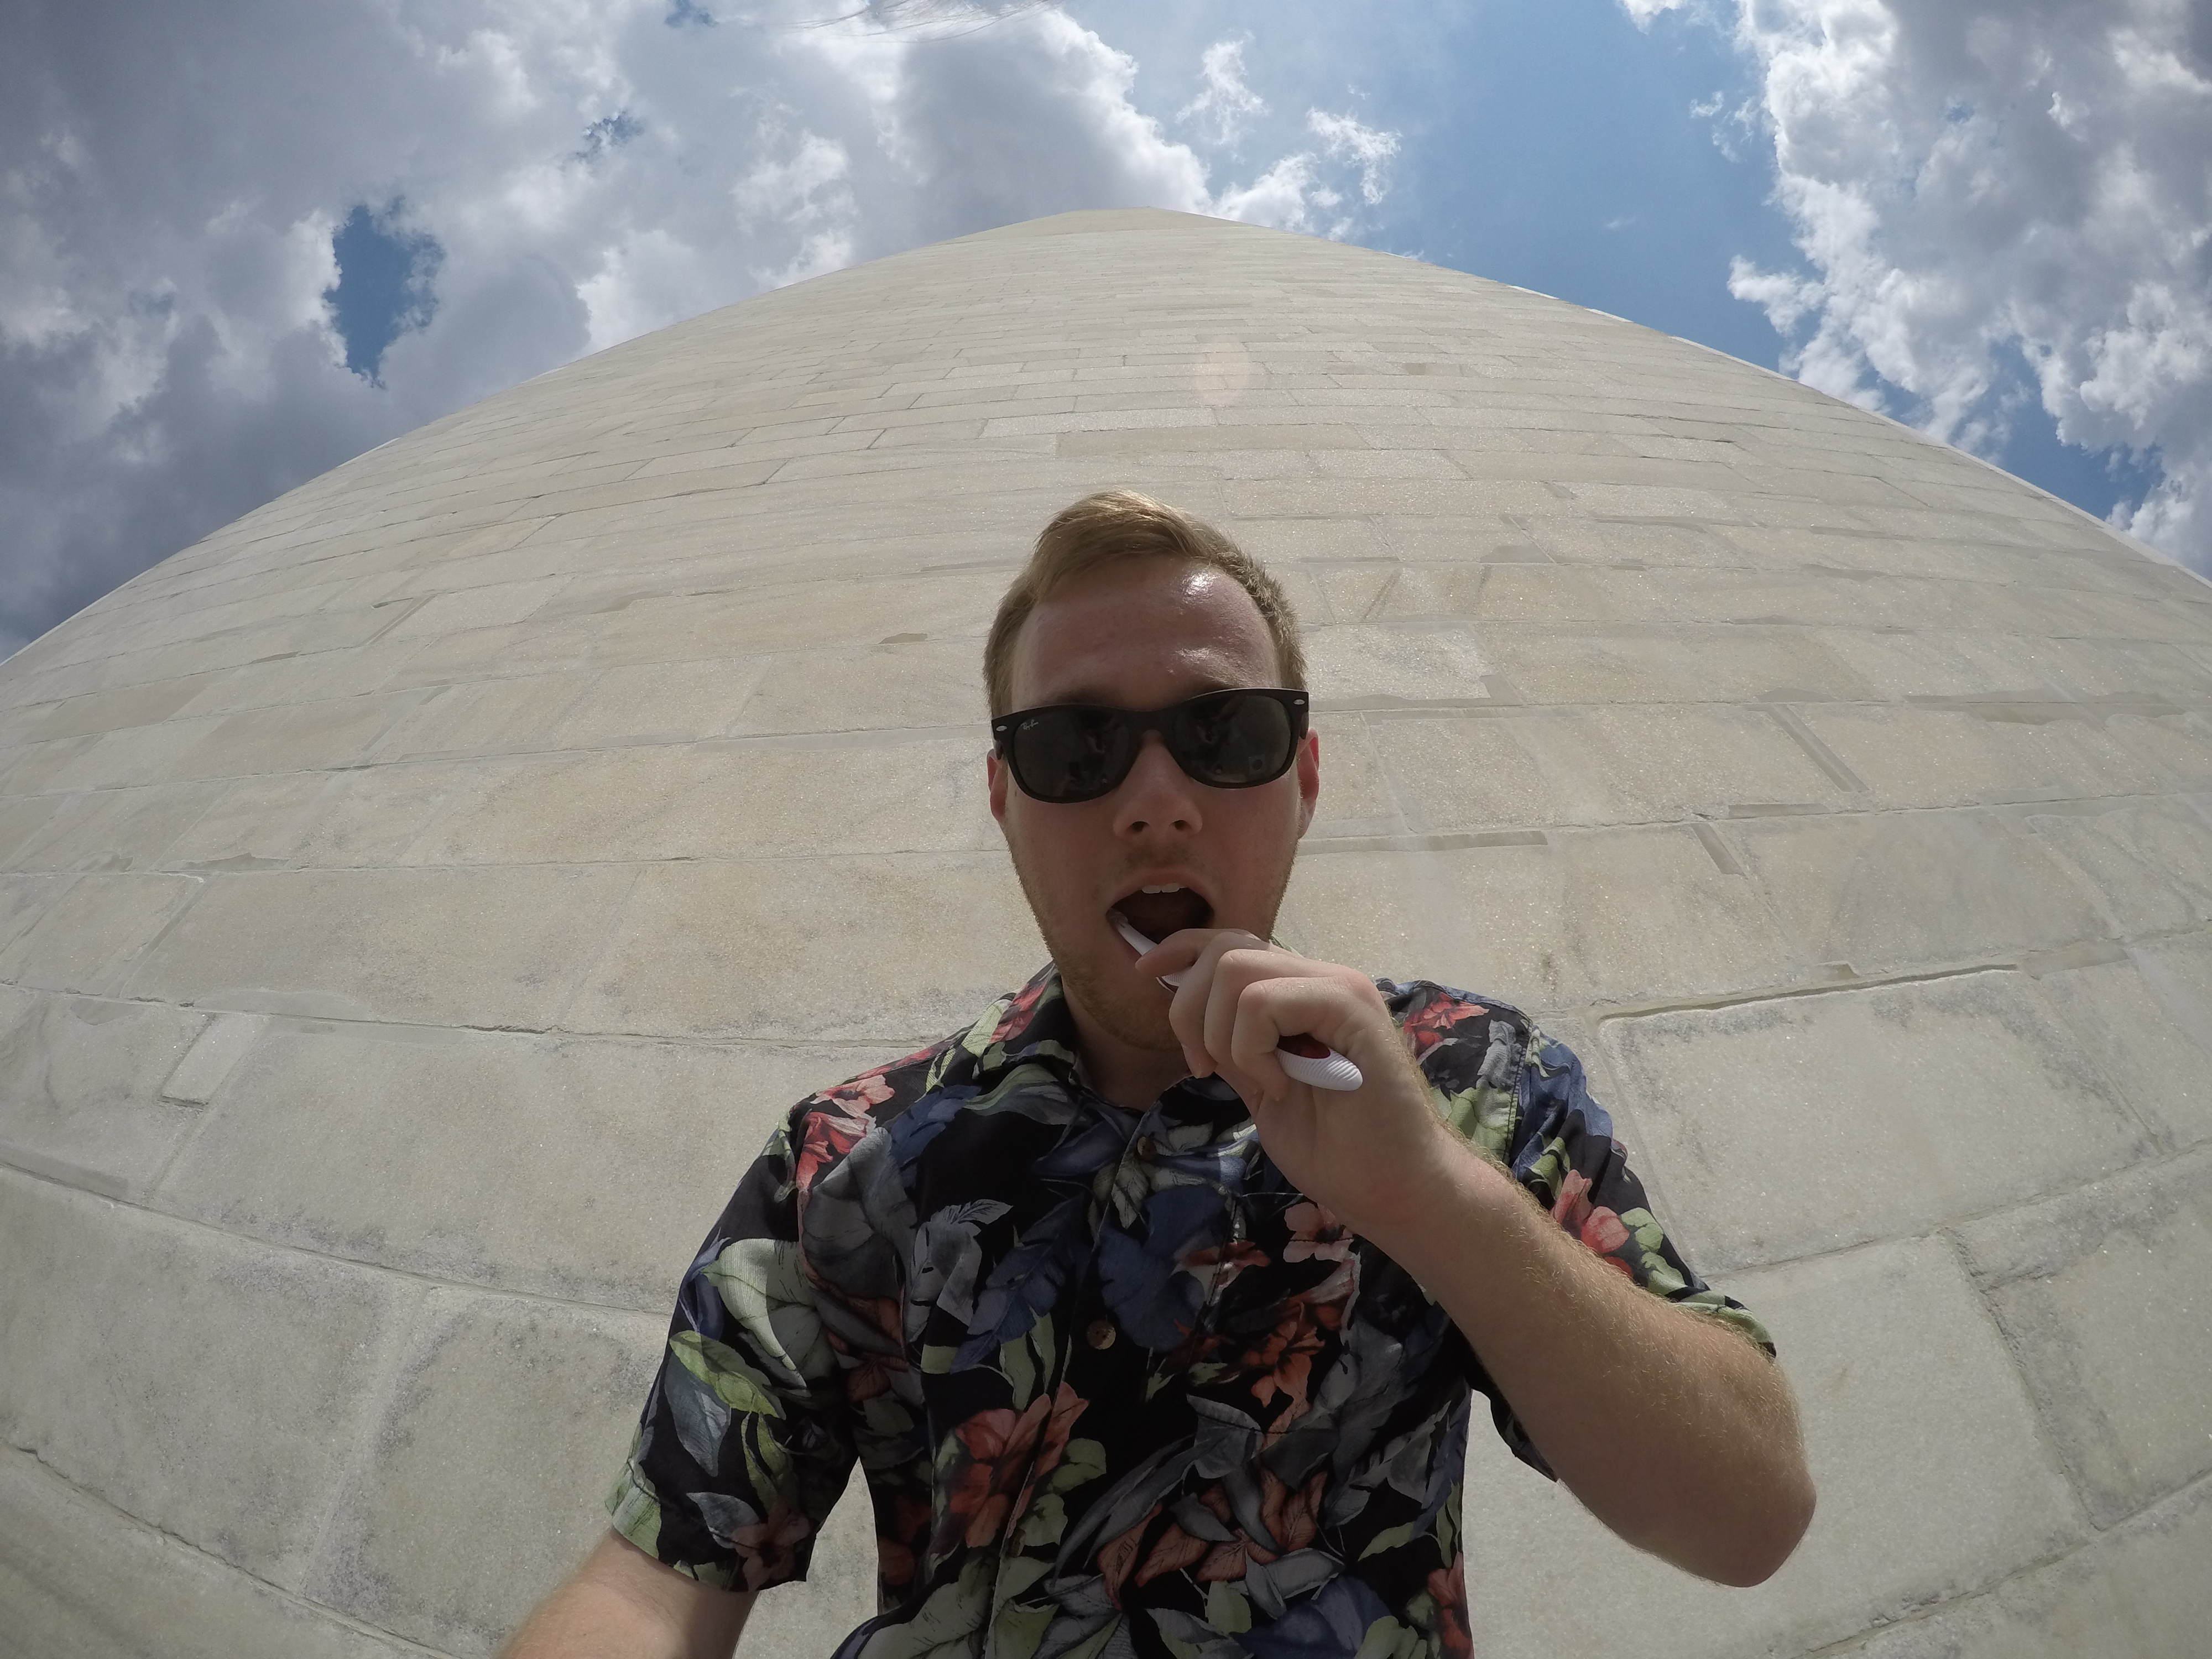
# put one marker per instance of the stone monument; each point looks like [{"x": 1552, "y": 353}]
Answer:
[{"x": 422, "y": 895}]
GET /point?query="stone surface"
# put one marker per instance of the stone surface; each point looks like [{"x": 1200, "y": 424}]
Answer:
[
  {"x": 1884, "y": 891},
  {"x": 90, "y": 933},
  {"x": 2104, "y": 1291},
  {"x": 432, "y": 884},
  {"x": 218, "y": 1046},
  {"x": 586, "y": 1169},
  {"x": 210, "y": 1388},
  {"x": 496, "y": 947},
  {"x": 506, "y": 1425},
  {"x": 2149, "y": 1035},
  {"x": 81, "y": 1088},
  {"x": 2139, "y": 1588},
  {"x": 2149, "y": 862},
  {"x": 80, "y": 1579},
  {"x": 1542, "y": 919},
  {"x": 1933, "y": 1481},
  {"x": 1811, "y": 1122},
  {"x": 863, "y": 950}
]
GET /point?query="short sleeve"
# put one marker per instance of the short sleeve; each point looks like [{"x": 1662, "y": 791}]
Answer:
[
  {"x": 1523, "y": 1098},
  {"x": 744, "y": 1443}
]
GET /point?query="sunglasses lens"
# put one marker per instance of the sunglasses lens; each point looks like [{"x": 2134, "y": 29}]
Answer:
[
  {"x": 1070, "y": 754},
  {"x": 1234, "y": 740}
]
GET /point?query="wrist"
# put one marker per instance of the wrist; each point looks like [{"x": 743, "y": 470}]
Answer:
[{"x": 1454, "y": 1200}]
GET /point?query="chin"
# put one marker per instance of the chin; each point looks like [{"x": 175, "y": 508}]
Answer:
[
  {"x": 1097, "y": 979},
  {"x": 1131, "y": 1014}
]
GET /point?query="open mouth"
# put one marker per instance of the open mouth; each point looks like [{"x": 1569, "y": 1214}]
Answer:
[{"x": 1160, "y": 908}]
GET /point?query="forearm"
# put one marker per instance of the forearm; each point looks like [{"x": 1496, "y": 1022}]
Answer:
[
  {"x": 1675, "y": 1430},
  {"x": 621, "y": 1604}
]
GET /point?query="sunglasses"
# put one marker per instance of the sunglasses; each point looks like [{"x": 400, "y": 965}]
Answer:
[{"x": 1072, "y": 751}]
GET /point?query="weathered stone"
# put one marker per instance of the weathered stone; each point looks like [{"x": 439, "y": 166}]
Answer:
[
  {"x": 1985, "y": 751},
  {"x": 1355, "y": 797},
  {"x": 477, "y": 607},
  {"x": 2149, "y": 863},
  {"x": 905, "y": 679},
  {"x": 92, "y": 932},
  {"x": 595, "y": 1167},
  {"x": 210, "y": 1387},
  {"x": 496, "y": 717},
  {"x": 1644, "y": 664},
  {"x": 113, "y": 829},
  {"x": 2140, "y": 1588},
  {"x": 1610, "y": 916},
  {"x": 79, "y": 1578},
  {"x": 80, "y": 1088},
  {"x": 718, "y": 801},
  {"x": 222, "y": 1042},
  {"x": 494, "y": 947},
  {"x": 2149, "y": 1035},
  {"x": 894, "y": 951},
  {"x": 1364, "y": 659},
  {"x": 1932, "y": 1478},
  {"x": 24, "y": 899},
  {"x": 98, "y": 712},
  {"x": 1887, "y": 890},
  {"x": 2102, "y": 1290},
  {"x": 507, "y": 1423},
  {"x": 1896, "y": 1109}
]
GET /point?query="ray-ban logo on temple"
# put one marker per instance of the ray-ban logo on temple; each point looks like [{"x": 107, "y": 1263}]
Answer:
[{"x": 1073, "y": 751}]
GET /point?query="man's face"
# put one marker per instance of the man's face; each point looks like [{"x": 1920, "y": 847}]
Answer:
[{"x": 1141, "y": 635}]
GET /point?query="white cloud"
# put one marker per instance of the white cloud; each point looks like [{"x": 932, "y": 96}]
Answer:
[
  {"x": 1344, "y": 137},
  {"x": 1642, "y": 13},
  {"x": 1967, "y": 179},
  {"x": 171, "y": 177},
  {"x": 1227, "y": 103}
]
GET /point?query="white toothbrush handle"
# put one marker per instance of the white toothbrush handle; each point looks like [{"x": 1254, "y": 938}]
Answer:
[{"x": 1330, "y": 1071}]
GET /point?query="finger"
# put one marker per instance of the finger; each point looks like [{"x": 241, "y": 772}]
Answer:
[
  {"x": 1252, "y": 1048},
  {"x": 1189, "y": 995},
  {"x": 1234, "y": 967},
  {"x": 1189, "y": 1014}
]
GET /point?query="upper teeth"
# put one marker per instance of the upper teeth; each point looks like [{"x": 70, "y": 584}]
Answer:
[{"x": 1169, "y": 887}]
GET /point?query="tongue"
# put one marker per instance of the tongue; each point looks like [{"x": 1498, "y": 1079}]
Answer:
[{"x": 1158, "y": 915}]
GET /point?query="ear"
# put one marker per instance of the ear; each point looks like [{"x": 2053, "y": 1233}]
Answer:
[
  {"x": 994, "y": 778},
  {"x": 1308, "y": 770}
]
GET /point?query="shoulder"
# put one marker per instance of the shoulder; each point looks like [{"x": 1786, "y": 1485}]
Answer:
[
  {"x": 907, "y": 1097},
  {"x": 1496, "y": 1078},
  {"x": 821, "y": 1130},
  {"x": 1455, "y": 1032}
]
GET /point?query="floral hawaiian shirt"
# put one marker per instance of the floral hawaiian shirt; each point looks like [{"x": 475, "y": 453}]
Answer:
[{"x": 1117, "y": 1388}]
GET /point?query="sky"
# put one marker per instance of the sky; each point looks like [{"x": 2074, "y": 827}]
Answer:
[{"x": 241, "y": 240}]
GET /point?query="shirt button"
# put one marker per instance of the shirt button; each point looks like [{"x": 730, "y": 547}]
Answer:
[{"x": 1100, "y": 1334}]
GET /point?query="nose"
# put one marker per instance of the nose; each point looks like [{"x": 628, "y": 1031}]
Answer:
[{"x": 1157, "y": 795}]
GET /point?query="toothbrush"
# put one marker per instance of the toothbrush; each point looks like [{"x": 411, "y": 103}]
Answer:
[{"x": 1301, "y": 1057}]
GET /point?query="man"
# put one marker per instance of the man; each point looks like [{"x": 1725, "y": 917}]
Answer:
[{"x": 1145, "y": 1347}]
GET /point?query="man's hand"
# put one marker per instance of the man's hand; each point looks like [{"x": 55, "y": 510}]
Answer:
[
  {"x": 622, "y": 1604},
  {"x": 1675, "y": 1430},
  {"x": 1240, "y": 996}
]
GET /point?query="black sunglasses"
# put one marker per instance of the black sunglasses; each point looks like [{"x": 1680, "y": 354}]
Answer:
[{"x": 1071, "y": 751}]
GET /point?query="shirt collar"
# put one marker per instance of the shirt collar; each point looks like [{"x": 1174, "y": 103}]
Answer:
[{"x": 1033, "y": 1026}]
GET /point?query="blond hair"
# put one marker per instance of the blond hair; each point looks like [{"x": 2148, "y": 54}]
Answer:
[{"x": 1119, "y": 525}]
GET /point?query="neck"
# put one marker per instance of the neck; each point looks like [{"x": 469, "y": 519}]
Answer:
[{"x": 1124, "y": 1073}]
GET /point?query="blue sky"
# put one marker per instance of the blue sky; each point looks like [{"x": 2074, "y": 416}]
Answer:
[{"x": 241, "y": 240}]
